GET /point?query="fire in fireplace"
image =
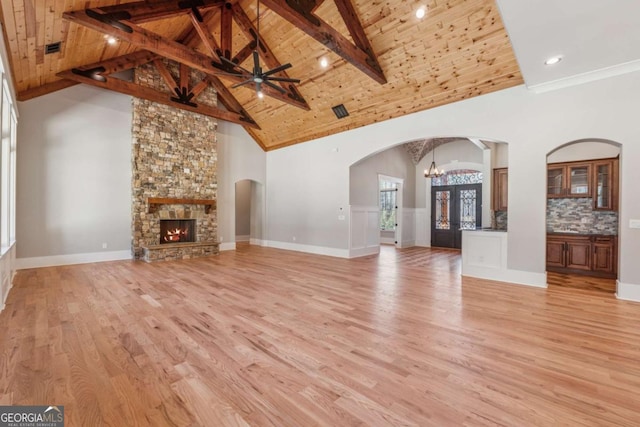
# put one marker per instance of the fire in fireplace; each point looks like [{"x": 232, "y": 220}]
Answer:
[{"x": 177, "y": 230}]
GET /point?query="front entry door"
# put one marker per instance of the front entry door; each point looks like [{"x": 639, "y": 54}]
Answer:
[{"x": 454, "y": 208}]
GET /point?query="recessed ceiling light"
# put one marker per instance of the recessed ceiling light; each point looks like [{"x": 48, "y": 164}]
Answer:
[
  {"x": 260, "y": 94},
  {"x": 421, "y": 12},
  {"x": 553, "y": 60},
  {"x": 110, "y": 39},
  {"x": 324, "y": 62}
]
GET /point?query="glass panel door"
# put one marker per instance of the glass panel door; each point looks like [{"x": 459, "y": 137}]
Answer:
[
  {"x": 579, "y": 180},
  {"x": 555, "y": 182},
  {"x": 454, "y": 208},
  {"x": 468, "y": 202},
  {"x": 443, "y": 210},
  {"x": 603, "y": 190}
]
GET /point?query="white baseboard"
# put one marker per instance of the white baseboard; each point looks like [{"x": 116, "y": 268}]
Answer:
[
  {"x": 407, "y": 244},
  {"x": 371, "y": 250},
  {"x": 256, "y": 242},
  {"x": 244, "y": 238},
  {"x": 518, "y": 277},
  {"x": 54, "y": 260},
  {"x": 388, "y": 240},
  {"x": 627, "y": 291},
  {"x": 318, "y": 250},
  {"x": 227, "y": 246}
]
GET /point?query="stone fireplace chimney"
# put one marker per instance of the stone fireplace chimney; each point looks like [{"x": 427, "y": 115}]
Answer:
[{"x": 174, "y": 161}]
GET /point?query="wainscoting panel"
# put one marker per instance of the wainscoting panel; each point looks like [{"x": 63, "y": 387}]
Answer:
[
  {"x": 423, "y": 227},
  {"x": 364, "y": 237},
  {"x": 7, "y": 270},
  {"x": 408, "y": 238}
]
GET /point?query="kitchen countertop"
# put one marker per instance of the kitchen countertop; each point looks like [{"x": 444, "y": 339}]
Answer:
[{"x": 569, "y": 233}]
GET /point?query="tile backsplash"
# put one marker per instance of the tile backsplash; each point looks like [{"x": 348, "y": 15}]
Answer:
[
  {"x": 501, "y": 220},
  {"x": 568, "y": 214}
]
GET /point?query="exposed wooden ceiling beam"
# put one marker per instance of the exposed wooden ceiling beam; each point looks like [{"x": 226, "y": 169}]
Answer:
[
  {"x": 44, "y": 89},
  {"x": 125, "y": 62},
  {"x": 264, "y": 51},
  {"x": 302, "y": 17},
  {"x": 113, "y": 65},
  {"x": 206, "y": 37},
  {"x": 356, "y": 30},
  {"x": 150, "y": 94},
  {"x": 145, "y": 39},
  {"x": 145, "y": 11},
  {"x": 226, "y": 34}
]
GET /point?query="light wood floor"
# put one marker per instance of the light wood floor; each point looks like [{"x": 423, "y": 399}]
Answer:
[{"x": 266, "y": 337}]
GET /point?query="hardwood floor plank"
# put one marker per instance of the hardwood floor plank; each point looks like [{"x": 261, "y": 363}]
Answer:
[{"x": 266, "y": 337}]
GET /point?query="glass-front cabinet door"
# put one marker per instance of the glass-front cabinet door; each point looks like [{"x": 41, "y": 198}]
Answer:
[
  {"x": 603, "y": 197},
  {"x": 555, "y": 181},
  {"x": 578, "y": 180}
]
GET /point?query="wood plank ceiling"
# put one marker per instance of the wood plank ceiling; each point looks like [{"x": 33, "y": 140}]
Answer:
[{"x": 459, "y": 50}]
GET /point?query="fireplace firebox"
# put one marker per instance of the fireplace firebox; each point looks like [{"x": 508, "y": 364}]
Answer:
[{"x": 177, "y": 230}]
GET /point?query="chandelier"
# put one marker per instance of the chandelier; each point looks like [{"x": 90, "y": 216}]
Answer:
[{"x": 433, "y": 171}]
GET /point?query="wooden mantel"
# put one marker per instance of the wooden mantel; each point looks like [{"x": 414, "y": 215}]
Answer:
[{"x": 154, "y": 202}]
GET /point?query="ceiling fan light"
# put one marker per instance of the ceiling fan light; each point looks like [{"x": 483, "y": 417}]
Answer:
[{"x": 260, "y": 94}]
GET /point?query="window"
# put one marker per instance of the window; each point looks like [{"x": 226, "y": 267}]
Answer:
[
  {"x": 457, "y": 177},
  {"x": 388, "y": 199},
  {"x": 8, "y": 120}
]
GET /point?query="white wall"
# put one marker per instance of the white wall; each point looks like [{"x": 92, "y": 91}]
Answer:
[
  {"x": 239, "y": 158},
  {"x": 74, "y": 175},
  {"x": 587, "y": 150},
  {"x": 308, "y": 182},
  {"x": 363, "y": 177}
]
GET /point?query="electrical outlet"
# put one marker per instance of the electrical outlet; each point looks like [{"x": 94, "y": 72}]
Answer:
[
  {"x": 220, "y": 238},
  {"x": 634, "y": 223},
  {"x": 293, "y": 238},
  {"x": 341, "y": 217},
  {"x": 584, "y": 220},
  {"x": 104, "y": 246}
]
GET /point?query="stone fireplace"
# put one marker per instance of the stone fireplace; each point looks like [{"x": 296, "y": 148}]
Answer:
[{"x": 174, "y": 182}]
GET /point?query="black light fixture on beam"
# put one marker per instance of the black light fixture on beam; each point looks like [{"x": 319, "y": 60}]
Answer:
[{"x": 92, "y": 73}]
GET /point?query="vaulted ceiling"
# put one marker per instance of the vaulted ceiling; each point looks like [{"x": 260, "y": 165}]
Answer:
[{"x": 383, "y": 61}]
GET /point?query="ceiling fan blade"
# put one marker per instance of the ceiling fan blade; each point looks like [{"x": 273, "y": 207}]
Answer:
[
  {"x": 242, "y": 83},
  {"x": 281, "y": 79},
  {"x": 276, "y": 70},
  {"x": 276, "y": 87}
]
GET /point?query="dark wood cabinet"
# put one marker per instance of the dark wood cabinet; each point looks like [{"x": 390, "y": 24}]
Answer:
[
  {"x": 587, "y": 254},
  {"x": 604, "y": 254},
  {"x": 569, "y": 179},
  {"x": 578, "y": 253},
  {"x": 555, "y": 253},
  {"x": 605, "y": 185},
  {"x": 500, "y": 189},
  {"x": 597, "y": 179}
]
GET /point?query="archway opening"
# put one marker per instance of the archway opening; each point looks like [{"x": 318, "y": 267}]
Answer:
[
  {"x": 249, "y": 212},
  {"x": 582, "y": 214}
]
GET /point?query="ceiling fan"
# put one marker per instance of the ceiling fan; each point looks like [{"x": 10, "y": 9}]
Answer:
[{"x": 257, "y": 75}]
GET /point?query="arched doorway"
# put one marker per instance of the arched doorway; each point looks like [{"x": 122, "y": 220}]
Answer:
[
  {"x": 582, "y": 215},
  {"x": 249, "y": 212}
]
